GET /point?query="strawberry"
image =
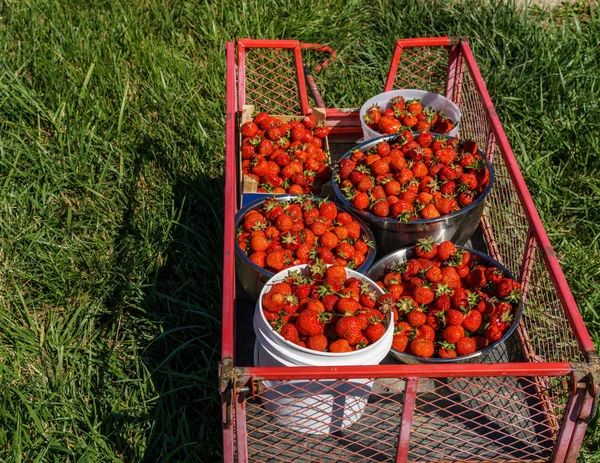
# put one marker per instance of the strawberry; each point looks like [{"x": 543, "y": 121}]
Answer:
[
  {"x": 308, "y": 323},
  {"x": 381, "y": 208},
  {"x": 508, "y": 289},
  {"x": 454, "y": 317},
  {"x": 422, "y": 347},
  {"x": 340, "y": 345},
  {"x": 446, "y": 250},
  {"x": 400, "y": 342},
  {"x": 427, "y": 332},
  {"x": 426, "y": 248},
  {"x": 450, "y": 277},
  {"x": 416, "y": 318},
  {"x": 249, "y": 129},
  {"x": 452, "y": 334},
  {"x": 446, "y": 350},
  {"x": 433, "y": 274},
  {"x": 318, "y": 343},
  {"x": 465, "y": 346},
  {"x": 494, "y": 274},
  {"x": 472, "y": 321},
  {"x": 349, "y": 328},
  {"x": 430, "y": 212},
  {"x": 360, "y": 201},
  {"x": 289, "y": 332},
  {"x": 423, "y": 295},
  {"x": 476, "y": 278},
  {"x": 347, "y": 305},
  {"x": 374, "y": 331}
]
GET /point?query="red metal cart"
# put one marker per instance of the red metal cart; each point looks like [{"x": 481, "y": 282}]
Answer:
[{"x": 532, "y": 403}]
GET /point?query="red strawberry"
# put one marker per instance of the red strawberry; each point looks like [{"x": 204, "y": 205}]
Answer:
[
  {"x": 348, "y": 328},
  {"x": 447, "y": 350},
  {"x": 308, "y": 323},
  {"x": 466, "y": 346},
  {"x": 400, "y": 342},
  {"x": 374, "y": 332},
  {"x": 454, "y": 317},
  {"x": 452, "y": 334},
  {"x": 423, "y": 295},
  {"x": 340, "y": 345},
  {"x": 472, "y": 321},
  {"x": 446, "y": 250},
  {"x": 422, "y": 347},
  {"x": 318, "y": 343},
  {"x": 476, "y": 278},
  {"x": 426, "y": 248},
  {"x": 416, "y": 318}
]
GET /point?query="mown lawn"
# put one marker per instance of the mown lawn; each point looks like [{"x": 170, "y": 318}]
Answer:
[{"x": 111, "y": 191}]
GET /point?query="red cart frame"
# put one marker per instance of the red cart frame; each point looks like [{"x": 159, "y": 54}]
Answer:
[{"x": 530, "y": 406}]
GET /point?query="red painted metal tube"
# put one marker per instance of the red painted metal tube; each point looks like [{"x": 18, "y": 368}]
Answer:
[
  {"x": 241, "y": 432},
  {"x": 321, "y": 49},
  {"x": 241, "y": 61},
  {"x": 227, "y": 333},
  {"x": 556, "y": 273},
  {"x": 457, "y": 370},
  {"x": 301, "y": 81},
  {"x": 427, "y": 42},
  {"x": 260, "y": 43},
  {"x": 408, "y": 409},
  {"x": 389, "y": 84}
]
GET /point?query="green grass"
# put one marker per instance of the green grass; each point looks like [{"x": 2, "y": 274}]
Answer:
[{"x": 111, "y": 180}]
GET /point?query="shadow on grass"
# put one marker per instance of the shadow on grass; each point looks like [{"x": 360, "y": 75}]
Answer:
[{"x": 181, "y": 311}]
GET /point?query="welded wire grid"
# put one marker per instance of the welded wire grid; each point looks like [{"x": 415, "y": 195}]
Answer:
[
  {"x": 547, "y": 328},
  {"x": 473, "y": 121},
  {"x": 325, "y": 421},
  {"x": 486, "y": 419},
  {"x": 455, "y": 419},
  {"x": 271, "y": 81},
  {"x": 423, "y": 68}
]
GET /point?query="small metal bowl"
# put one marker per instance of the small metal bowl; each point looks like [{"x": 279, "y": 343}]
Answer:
[
  {"x": 403, "y": 255},
  {"x": 253, "y": 278},
  {"x": 390, "y": 234}
]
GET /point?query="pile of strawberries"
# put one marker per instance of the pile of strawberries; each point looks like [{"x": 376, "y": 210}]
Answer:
[
  {"x": 282, "y": 234},
  {"x": 415, "y": 177},
  {"x": 285, "y": 157},
  {"x": 447, "y": 302},
  {"x": 325, "y": 310},
  {"x": 401, "y": 114}
]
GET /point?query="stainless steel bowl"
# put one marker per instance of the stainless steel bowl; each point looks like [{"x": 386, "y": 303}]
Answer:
[
  {"x": 379, "y": 269},
  {"x": 253, "y": 278},
  {"x": 391, "y": 234}
]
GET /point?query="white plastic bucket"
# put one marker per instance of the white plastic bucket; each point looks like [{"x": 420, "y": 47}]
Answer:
[
  {"x": 315, "y": 407},
  {"x": 428, "y": 100}
]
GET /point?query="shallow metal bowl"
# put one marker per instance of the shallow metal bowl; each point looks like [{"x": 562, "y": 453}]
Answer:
[
  {"x": 390, "y": 234},
  {"x": 253, "y": 278},
  {"x": 379, "y": 269}
]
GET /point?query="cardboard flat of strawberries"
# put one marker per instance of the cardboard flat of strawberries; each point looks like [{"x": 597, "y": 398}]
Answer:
[{"x": 248, "y": 185}]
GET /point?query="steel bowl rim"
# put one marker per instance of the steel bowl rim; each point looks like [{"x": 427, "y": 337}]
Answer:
[
  {"x": 262, "y": 271},
  {"x": 505, "y": 336},
  {"x": 375, "y": 219}
]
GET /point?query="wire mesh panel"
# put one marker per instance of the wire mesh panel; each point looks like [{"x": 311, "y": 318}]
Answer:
[
  {"x": 423, "y": 68},
  {"x": 473, "y": 122},
  {"x": 271, "y": 81},
  {"x": 325, "y": 421},
  {"x": 454, "y": 419},
  {"x": 547, "y": 331},
  {"x": 485, "y": 419}
]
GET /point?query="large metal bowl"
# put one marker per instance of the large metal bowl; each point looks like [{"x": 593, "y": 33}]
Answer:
[
  {"x": 390, "y": 234},
  {"x": 379, "y": 269},
  {"x": 253, "y": 278}
]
